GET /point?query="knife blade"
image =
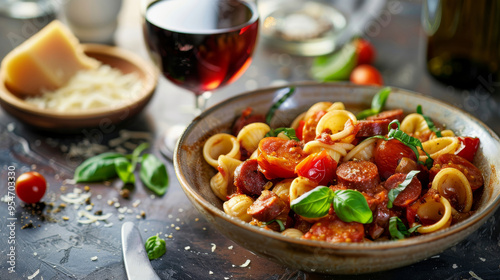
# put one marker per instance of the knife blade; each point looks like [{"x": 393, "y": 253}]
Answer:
[{"x": 136, "y": 260}]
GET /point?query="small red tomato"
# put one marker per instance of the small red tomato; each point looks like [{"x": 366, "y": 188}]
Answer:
[
  {"x": 468, "y": 149},
  {"x": 366, "y": 75},
  {"x": 387, "y": 155},
  {"x": 278, "y": 157},
  {"x": 319, "y": 167},
  {"x": 30, "y": 187},
  {"x": 365, "y": 51},
  {"x": 298, "y": 131}
]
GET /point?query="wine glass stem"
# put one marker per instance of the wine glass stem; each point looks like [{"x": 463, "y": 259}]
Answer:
[{"x": 201, "y": 102}]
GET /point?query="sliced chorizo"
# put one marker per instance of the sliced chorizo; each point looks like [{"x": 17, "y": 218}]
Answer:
[
  {"x": 396, "y": 114},
  {"x": 359, "y": 175},
  {"x": 470, "y": 171},
  {"x": 267, "y": 207},
  {"x": 248, "y": 179},
  {"x": 246, "y": 118},
  {"x": 409, "y": 195},
  {"x": 368, "y": 128},
  {"x": 332, "y": 229}
]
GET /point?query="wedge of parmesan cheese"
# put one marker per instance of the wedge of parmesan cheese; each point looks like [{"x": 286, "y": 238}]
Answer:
[{"x": 46, "y": 61}]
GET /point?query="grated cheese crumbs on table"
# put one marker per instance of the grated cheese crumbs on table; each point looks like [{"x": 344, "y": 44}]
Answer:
[
  {"x": 34, "y": 274},
  {"x": 94, "y": 258},
  {"x": 92, "y": 218},
  {"x": 177, "y": 228},
  {"x": 89, "y": 89},
  {"x": 474, "y": 275},
  {"x": 187, "y": 248},
  {"x": 108, "y": 225},
  {"x": 210, "y": 272},
  {"x": 181, "y": 210},
  {"x": 482, "y": 259},
  {"x": 230, "y": 247},
  {"x": 247, "y": 262},
  {"x": 454, "y": 266},
  {"x": 136, "y": 203},
  {"x": 196, "y": 219},
  {"x": 170, "y": 216},
  {"x": 213, "y": 247}
]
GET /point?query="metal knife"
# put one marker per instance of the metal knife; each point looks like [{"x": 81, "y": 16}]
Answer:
[{"x": 136, "y": 260}]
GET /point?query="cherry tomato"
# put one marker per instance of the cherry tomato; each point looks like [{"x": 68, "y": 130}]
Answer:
[
  {"x": 366, "y": 75},
  {"x": 300, "y": 127},
  {"x": 278, "y": 157},
  {"x": 309, "y": 129},
  {"x": 468, "y": 149},
  {"x": 30, "y": 187},
  {"x": 365, "y": 51},
  {"x": 473, "y": 174},
  {"x": 388, "y": 154},
  {"x": 319, "y": 167}
]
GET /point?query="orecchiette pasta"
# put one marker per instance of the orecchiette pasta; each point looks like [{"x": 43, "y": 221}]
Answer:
[
  {"x": 221, "y": 181},
  {"x": 436, "y": 210},
  {"x": 237, "y": 207},
  {"x": 439, "y": 146},
  {"x": 414, "y": 123},
  {"x": 336, "y": 150},
  {"x": 363, "y": 151},
  {"x": 320, "y": 106},
  {"x": 292, "y": 232},
  {"x": 337, "y": 123},
  {"x": 282, "y": 189},
  {"x": 220, "y": 144},
  {"x": 250, "y": 135},
  {"x": 452, "y": 183}
]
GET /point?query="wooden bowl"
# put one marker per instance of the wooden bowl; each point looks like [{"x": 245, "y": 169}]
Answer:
[
  {"x": 49, "y": 119},
  {"x": 316, "y": 256}
]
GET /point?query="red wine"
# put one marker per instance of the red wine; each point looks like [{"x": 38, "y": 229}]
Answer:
[{"x": 201, "y": 45}]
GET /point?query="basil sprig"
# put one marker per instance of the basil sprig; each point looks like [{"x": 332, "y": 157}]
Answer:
[
  {"x": 106, "y": 166},
  {"x": 409, "y": 141},
  {"x": 289, "y": 132},
  {"x": 276, "y": 105},
  {"x": 429, "y": 122},
  {"x": 398, "y": 230},
  {"x": 378, "y": 103},
  {"x": 349, "y": 205},
  {"x": 401, "y": 187},
  {"x": 155, "y": 247},
  {"x": 279, "y": 222}
]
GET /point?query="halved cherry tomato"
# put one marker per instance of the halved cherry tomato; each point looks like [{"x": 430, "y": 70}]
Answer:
[
  {"x": 468, "y": 149},
  {"x": 30, "y": 187},
  {"x": 365, "y": 51},
  {"x": 388, "y": 154},
  {"x": 319, "y": 167},
  {"x": 300, "y": 127},
  {"x": 366, "y": 75},
  {"x": 278, "y": 157}
]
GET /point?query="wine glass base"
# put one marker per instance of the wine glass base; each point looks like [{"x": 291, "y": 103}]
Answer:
[{"x": 169, "y": 141}]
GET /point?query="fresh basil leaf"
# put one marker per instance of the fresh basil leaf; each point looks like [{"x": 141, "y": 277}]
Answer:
[
  {"x": 401, "y": 187},
  {"x": 276, "y": 105},
  {"x": 137, "y": 152},
  {"x": 429, "y": 122},
  {"x": 125, "y": 170},
  {"x": 378, "y": 103},
  {"x": 314, "y": 203},
  {"x": 154, "y": 174},
  {"x": 398, "y": 230},
  {"x": 279, "y": 222},
  {"x": 97, "y": 168},
  {"x": 155, "y": 247},
  {"x": 351, "y": 206},
  {"x": 289, "y": 132}
]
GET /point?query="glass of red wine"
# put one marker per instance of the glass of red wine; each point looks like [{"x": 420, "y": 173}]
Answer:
[{"x": 200, "y": 45}]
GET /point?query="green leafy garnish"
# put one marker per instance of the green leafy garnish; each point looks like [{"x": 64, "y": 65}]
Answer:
[
  {"x": 276, "y": 105},
  {"x": 289, "y": 132},
  {"x": 401, "y": 187},
  {"x": 98, "y": 168},
  {"x": 154, "y": 174},
  {"x": 378, "y": 103},
  {"x": 155, "y": 247},
  {"x": 398, "y": 230},
  {"x": 429, "y": 122},
  {"x": 106, "y": 166},
  {"x": 279, "y": 222},
  {"x": 349, "y": 205},
  {"x": 409, "y": 141}
]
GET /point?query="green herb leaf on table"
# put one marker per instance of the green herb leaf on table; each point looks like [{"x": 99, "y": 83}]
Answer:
[
  {"x": 378, "y": 103},
  {"x": 401, "y": 187},
  {"x": 351, "y": 206},
  {"x": 275, "y": 106},
  {"x": 429, "y": 122},
  {"x": 289, "y": 132},
  {"x": 97, "y": 168},
  {"x": 125, "y": 170},
  {"x": 154, "y": 174},
  {"x": 155, "y": 247},
  {"x": 314, "y": 203},
  {"x": 398, "y": 230}
]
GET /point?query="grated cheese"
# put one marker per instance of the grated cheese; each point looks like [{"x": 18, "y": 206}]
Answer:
[
  {"x": 213, "y": 247},
  {"x": 92, "y": 218},
  {"x": 90, "y": 89},
  {"x": 34, "y": 274},
  {"x": 247, "y": 262}
]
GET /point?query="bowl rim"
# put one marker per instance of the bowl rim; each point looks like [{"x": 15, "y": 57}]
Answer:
[
  {"x": 149, "y": 84},
  {"x": 364, "y": 247}
]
